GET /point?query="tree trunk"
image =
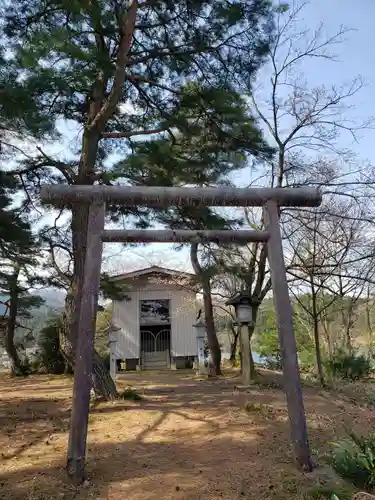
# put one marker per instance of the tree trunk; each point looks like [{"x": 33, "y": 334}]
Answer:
[
  {"x": 16, "y": 362},
  {"x": 369, "y": 324},
  {"x": 330, "y": 347},
  {"x": 315, "y": 319},
  {"x": 348, "y": 326},
  {"x": 346, "y": 312},
  {"x": 348, "y": 340},
  {"x": 102, "y": 381},
  {"x": 233, "y": 346},
  {"x": 213, "y": 343},
  {"x": 319, "y": 364}
]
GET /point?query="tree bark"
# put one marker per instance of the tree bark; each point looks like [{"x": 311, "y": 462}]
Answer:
[
  {"x": 369, "y": 323},
  {"x": 328, "y": 338},
  {"x": 15, "y": 361},
  {"x": 233, "y": 346},
  {"x": 213, "y": 343},
  {"x": 319, "y": 364},
  {"x": 315, "y": 320},
  {"x": 348, "y": 323},
  {"x": 102, "y": 382},
  {"x": 10, "y": 348}
]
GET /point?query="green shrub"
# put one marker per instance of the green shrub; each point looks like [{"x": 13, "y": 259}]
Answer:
[
  {"x": 329, "y": 492},
  {"x": 130, "y": 393},
  {"x": 307, "y": 360},
  {"x": 51, "y": 358},
  {"x": 273, "y": 362},
  {"x": 354, "y": 460},
  {"x": 349, "y": 366},
  {"x": 266, "y": 342},
  {"x": 26, "y": 368}
]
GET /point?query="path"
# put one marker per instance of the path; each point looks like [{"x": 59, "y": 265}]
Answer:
[{"x": 188, "y": 439}]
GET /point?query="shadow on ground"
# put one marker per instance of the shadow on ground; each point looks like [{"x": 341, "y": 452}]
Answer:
[{"x": 188, "y": 439}]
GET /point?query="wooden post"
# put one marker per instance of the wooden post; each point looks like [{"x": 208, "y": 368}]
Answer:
[
  {"x": 245, "y": 358},
  {"x": 288, "y": 347},
  {"x": 85, "y": 344}
]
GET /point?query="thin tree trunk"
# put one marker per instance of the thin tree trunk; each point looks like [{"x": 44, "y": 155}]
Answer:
[
  {"x": 348, "y": 340},
  {"x": 318, "y": 355},
  {"x": 233, "y": 347},
  {"x": 16, "y": 362},
  {"x": 319, "y": 364},
  {"x": 348, "y": 326},
  {"x": 315, "y": 320},
  {"x": 213, "y": 343},
  {"x": 369, "y": 323},
  {"x": 329, "y": 341}
]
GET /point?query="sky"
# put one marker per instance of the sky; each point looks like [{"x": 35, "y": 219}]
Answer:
[{"x": 353, "y": 54}]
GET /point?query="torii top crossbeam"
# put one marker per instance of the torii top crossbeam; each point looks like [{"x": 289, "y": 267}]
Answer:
[{"x": 189, "y": 196}]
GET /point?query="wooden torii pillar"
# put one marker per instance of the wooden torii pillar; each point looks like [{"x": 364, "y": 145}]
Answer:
[{"x": 97, "y": 196}]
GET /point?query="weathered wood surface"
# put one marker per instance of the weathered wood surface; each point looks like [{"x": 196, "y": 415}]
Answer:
[
  {"x": 182, "y": 236},
  {"x": 85, "y": 346},
  {"x": 165, "y": 196},
  {"x": 288, "y": 347}
]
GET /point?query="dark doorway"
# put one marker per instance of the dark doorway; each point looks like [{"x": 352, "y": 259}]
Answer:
[{"x": 155, "y": 338}]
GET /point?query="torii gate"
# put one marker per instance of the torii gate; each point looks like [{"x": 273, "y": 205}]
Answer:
[{"x": 96, "y": 197}]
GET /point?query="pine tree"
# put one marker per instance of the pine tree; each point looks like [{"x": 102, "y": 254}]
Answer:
[
  {"x": 122, "y": 70},
  {"x": 216, "y": 144},
  {"x": 18, "y": 250}
]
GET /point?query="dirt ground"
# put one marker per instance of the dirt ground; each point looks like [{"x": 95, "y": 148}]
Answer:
[{"x": 186, "y": 439}]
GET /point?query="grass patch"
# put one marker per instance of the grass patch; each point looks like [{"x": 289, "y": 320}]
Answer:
[
  {"x": 131, "y": 394},
  {"x": 329, "y": 493},
  {"x": 265, "y": 411}
]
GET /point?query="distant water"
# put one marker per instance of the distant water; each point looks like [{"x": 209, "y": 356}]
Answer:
[
  {"x": 257, "y": 359},
  {"x": 3, "y": 298}
]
